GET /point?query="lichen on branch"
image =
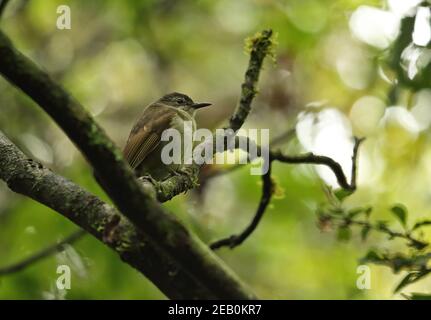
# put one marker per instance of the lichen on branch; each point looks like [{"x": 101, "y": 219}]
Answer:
[{"x": 259, "y": 46}]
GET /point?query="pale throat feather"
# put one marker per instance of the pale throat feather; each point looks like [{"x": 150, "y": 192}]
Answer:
[{"x": 178, "y": 123}]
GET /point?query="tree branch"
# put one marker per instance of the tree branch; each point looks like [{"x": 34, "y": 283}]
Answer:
[
  {"x": 282, "y": 138},
  {"x": 267, "y": 185},
  {"x": 27, "y": 177},
  {"x": 162, "y": 228},
  {"x": 357, "y": 143},
  {"x": 327, "y": 161},
  {"x": 267, "y": 191},
  {"x": 43, "y": 253},
  {"x": 260, "y": 45}
]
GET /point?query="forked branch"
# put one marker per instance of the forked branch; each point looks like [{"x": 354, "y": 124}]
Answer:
[{"x": 268, "y": 187}]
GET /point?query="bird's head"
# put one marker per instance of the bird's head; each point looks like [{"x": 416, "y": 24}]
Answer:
[{"x": 182, "y": 101}]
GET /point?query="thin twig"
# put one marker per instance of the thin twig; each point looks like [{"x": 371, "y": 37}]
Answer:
[
  {"x": 346, "y": 221},
  {"x": 43, "y": 253},
  {"x": 267, "y": 186},
  {"x": 358, "y": 142},
  {"x": 336, "y": 168},
  {"x": 267, "y": 191},
  {"x": 282, "y": 138},
  {"x": 260, "y": 46}
]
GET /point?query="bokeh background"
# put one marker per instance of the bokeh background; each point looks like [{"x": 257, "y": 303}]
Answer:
[{"x": 330, "y": 79}]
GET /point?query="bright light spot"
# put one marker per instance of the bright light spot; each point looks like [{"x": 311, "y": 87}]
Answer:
[
  {"x": 426, "y": 159},
  {"x": 327, "y": 133},
  {"x": 64, "y": 152},
  {"x": 365, "y": 115},
  {"x": 58, "y": 60},
  {"x": 30, "y": 230},
  {"x": 422, "y": 29},
  {"x": 384, "y": 76},
  {"x": 235, "y": 16},
  {"x": 354, "y": 68},
  {"x": 403, "y": 7},
  {"x": 424, "y": 59},
  {"x": 219, "y": 197},
  {"x": 422, "y": 109},
  {"x": 351, "y": 60},
  {"x": 305, "y": 130},
  {"x": 54, "y": 293},
  {"x": 400, "y": 117},
  {"x": 411, "y": 55},
  {"x": 124, "y": 62},
  {"x": 415, "y": 58},
  {"x": 309, "y": 16},
  {"x": 69, "y": 256},
  {"x": 374, "y": 26},
  {"x": 400, "y": 131},
  {"x": 38, "y": 148}
]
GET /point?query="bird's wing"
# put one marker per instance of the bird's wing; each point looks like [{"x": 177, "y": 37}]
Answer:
[
  {"x": 146, "y": 133},
  {"x": 139, "y": 146}
]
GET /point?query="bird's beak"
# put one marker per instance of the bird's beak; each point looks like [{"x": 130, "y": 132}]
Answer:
[{"x": 200, "y": 105}]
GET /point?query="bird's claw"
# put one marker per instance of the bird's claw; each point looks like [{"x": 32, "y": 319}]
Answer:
[
  {"x": 149, "y": 178},
  {"x": 183, "y": 172}
]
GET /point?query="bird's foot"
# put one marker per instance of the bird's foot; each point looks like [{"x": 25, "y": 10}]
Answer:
[
  {"x": 149, "y": 178},
  {"x": 150, "y": 185},
  {"x": 177, "y": 173},
  {"x": 184, "y": 172}
]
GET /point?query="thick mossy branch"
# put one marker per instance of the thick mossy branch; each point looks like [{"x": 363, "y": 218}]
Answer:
[
  {"x": 103, "y": 221},
  {"x": 174, "y": 185},
  {"x": 117, "y": 178}
]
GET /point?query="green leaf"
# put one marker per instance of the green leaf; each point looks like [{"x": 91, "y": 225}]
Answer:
[
  {"x": 368, "y": 212},
  {"x": 341, "y": 194},
  {"x": 400, "y": 211},
  {"x": 365, "y": 232},
  {"x": 372, "y": 256},
  {"x": 411, "y": 278}
]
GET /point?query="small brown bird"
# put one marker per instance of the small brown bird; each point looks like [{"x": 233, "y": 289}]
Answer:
[{"x": 144, "y": 146}]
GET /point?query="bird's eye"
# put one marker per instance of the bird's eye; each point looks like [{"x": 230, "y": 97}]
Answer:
[{"x": 180, "y": 100}]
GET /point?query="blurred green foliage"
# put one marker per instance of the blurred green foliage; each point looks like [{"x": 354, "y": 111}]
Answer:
[{"x": 121, "y": 55}]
